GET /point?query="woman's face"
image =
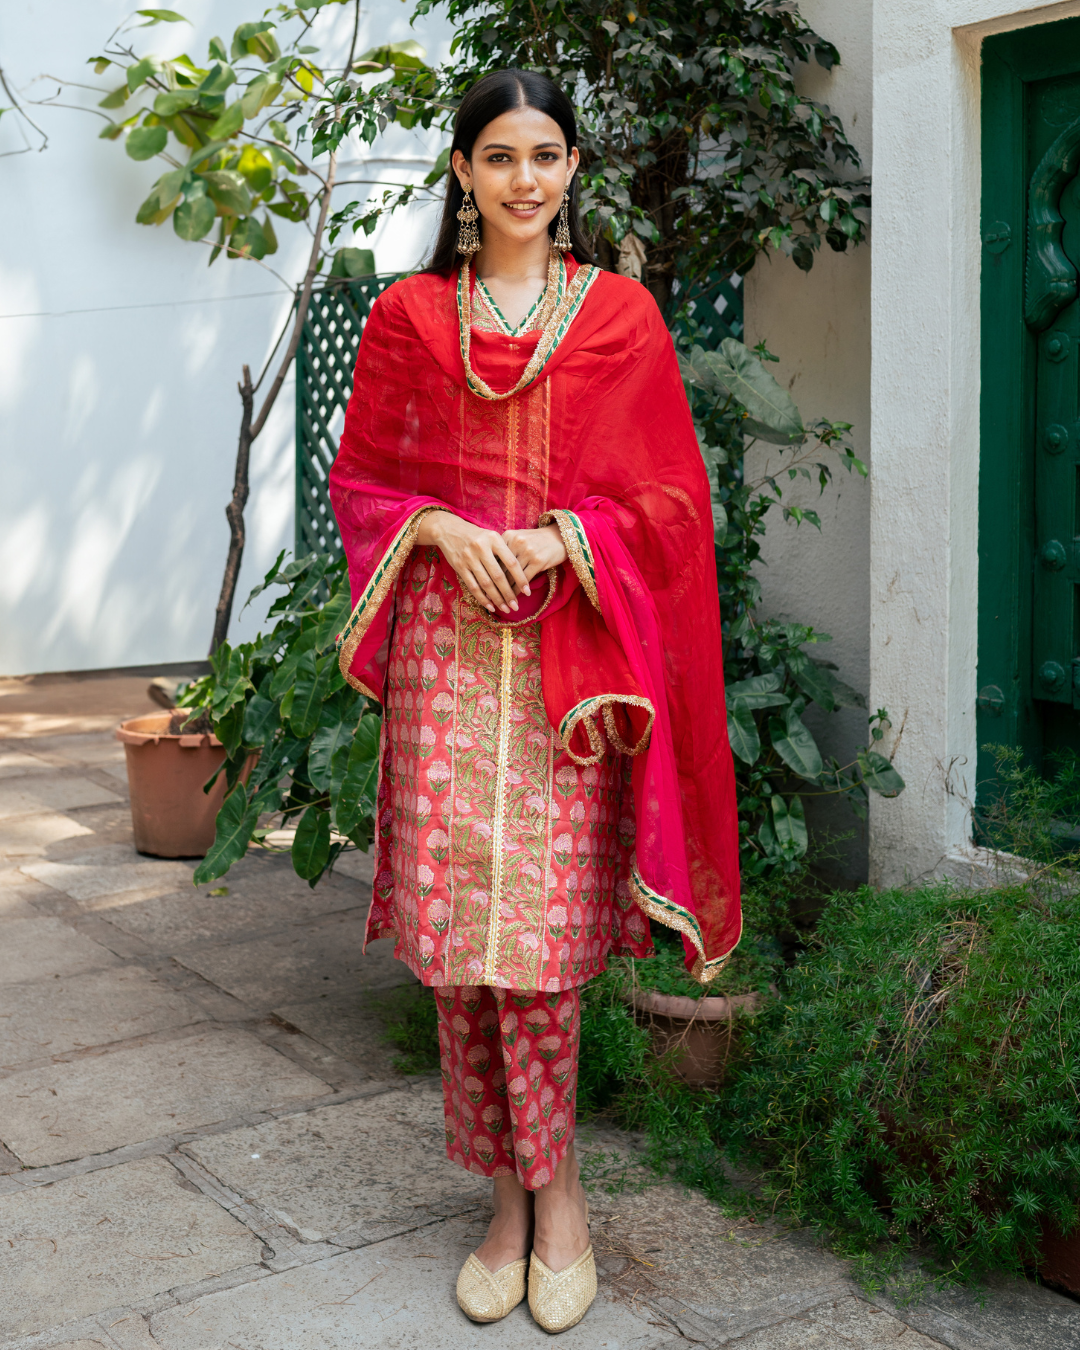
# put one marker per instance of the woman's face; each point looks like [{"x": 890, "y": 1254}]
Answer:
[{"x": 518, "y": 174}]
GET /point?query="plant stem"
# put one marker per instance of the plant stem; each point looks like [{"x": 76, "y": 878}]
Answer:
[
  {"x": 251, "y": 427},
  {"x": 234, "y": 514}
]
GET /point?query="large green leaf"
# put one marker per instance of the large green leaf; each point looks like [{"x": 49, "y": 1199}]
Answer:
[
  {"x": 794, "y": 743},
  {"x": 229, "y": 123},
  {"x": 789, "y": 824},
  {"x": 146, "y": 142},
  {"x": 812, "y": 680},
  {"x": 141, "y": 71},
  {"x": 333, "y": 619},
  {"x": 743, "y": 732},
  {"x": 261, "y": 717},
  {"x": 194, "y": 218},
  {"x": 356, "y": 796},
  {"x": 311, "y": 845},
  {"x": 248, "y": 240},
  {"x": 155, "y": 16},
  {"x": 176, "y": 100},
  {"x": 772, "y": 410},
  {"x": 759, "y": 691},
  {"x": 163, "y": 197},
  {"x": 285, "y": 675},
  {"x": 353, "y": 262},
  {"x": 314, "y": 682},
  {"x": 235, "y": 822},
  {"x": 231, "y": 682},
  {"x": 879, "y": 774},
  {"x": 331, "y": 735},
  {"x": 229, "y": 190}
]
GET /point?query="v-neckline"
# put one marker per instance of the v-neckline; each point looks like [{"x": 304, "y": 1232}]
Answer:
[{"x": 508, "y": 329}]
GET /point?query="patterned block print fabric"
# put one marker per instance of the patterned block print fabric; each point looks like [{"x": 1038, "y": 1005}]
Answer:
[
  {"x": 509, "y": 1067},
  {"x": 500, "y": 861}
]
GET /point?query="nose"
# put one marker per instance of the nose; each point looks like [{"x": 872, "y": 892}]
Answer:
[{"x": 524, "y": 176}]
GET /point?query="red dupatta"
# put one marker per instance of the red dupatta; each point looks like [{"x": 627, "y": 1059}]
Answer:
[{"x": 599, "y": 442}]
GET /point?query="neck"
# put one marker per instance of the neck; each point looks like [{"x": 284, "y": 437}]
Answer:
[{"x": 510, "y": 259}]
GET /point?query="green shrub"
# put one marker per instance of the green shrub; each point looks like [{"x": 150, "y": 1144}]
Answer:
[{"x": 919, "y": 1074}]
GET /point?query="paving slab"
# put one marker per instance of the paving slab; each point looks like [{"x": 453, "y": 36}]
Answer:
[
  {"x": 51, "y": 1017},
  {"x": 397, "y": 1294},
  {"x": 840, "y": 1322},
  {"x": 51, "y": 791},
  {"x": 30, "y": 836},
  {"x": 79, "y": 1345},
  {"x": 1003, "y": 1314},
  {"x": 347, "y": 1025},
  {"x": 60, "y": 751},
  {"x": 16, "y": 764},
  {"x": 109, "y": 870},
  {"x": 266, "y": 897},
  {"x": 99, "y": 1102},
  {"x": 47, "y": 948},
  {"x": 360, "y": 1171},
  {"x": 117, "y": 1236},
  {"x": 323, "y": 957}
]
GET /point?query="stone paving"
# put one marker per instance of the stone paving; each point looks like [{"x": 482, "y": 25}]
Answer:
[{"x": 204, "y": 1145}]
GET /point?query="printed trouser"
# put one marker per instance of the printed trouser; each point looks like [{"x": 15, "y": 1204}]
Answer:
[{"x": 509, "y": 1067}]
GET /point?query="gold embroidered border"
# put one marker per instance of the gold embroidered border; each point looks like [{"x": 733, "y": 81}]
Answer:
[
  {"x": 554, "y": 328},
  {"x": 553, "y": 586},
  {"x": 614, "y": 737},
  {"x": 585, "y": 713},
  {"x": 374, "y": 595},
  {"x": 665, "y": 911},
  {"x": 576, "y": 543},
  {"x": 490, "y": 309},
  {"x": 491, "y": 954}
]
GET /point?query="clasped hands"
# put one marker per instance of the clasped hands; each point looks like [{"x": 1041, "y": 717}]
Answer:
[{"x": 493, "y": 568}]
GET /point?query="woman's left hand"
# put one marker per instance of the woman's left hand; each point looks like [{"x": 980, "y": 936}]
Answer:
[{"x": 536, "y": 551}]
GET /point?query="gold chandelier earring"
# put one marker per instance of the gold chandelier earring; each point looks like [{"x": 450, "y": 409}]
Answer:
[
  {"x": 562, "y": 231},
  {"x": 468, "y": 240}
]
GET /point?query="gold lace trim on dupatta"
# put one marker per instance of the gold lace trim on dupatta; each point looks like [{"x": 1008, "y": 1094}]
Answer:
[
  {"x": 671, "y": 915},
  {"x": 578, "y": 552},
  {"x": 374, "y": 596},
  {"x": 586, "y": 713}
]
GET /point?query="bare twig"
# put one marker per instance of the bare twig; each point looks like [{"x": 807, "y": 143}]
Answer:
[{"x": 17, "y": 107}]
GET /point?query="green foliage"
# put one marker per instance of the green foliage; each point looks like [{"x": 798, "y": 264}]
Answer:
[
  {"x": 919, "y": 1074},
  {"x": 411, "y": 1025},
  {"x": 280, "y": 705},
  {"x": 1034, "y": 817},
  {"x": 222, "y": 127},
  {"x": 692, "y": 135},
  {"x": 771, "y": 678}
]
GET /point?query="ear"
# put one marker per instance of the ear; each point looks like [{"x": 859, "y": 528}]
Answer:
[
  {"x": 461, "y": 168},
  {"x": 573, "y": 159}
]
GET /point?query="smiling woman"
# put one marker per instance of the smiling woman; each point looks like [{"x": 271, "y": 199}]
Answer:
[{"x": 527, "y": 521}]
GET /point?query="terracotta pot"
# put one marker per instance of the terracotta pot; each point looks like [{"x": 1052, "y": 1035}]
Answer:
[
  {"x": 171, "y": 815},
  {"x": 700, "y": 1030}
]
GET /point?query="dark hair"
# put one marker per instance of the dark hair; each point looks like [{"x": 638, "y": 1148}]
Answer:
[{"x": 498, "y": 92}]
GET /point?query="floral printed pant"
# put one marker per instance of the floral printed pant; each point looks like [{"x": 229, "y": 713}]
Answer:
[{"x": 509, "y": 1067}]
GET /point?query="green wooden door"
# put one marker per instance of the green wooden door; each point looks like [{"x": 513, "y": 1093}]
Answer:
[{"x": 1029, "y": 495}]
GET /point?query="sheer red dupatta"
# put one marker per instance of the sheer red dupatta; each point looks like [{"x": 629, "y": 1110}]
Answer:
[{"x": 630, "y": 642}]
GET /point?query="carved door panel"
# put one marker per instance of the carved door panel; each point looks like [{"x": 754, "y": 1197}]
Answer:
[{"x": 1029, "y": 464}]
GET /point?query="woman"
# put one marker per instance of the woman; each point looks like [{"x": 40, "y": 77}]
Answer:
[{"x": 529, "y": 533}]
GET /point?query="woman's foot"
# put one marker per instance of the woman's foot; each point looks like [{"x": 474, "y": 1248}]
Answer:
[
  {"x": 562, "y": 1228},
  {"x": 509, "y": 1235}
]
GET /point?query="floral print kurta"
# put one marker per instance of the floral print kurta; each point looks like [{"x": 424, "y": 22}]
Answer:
[{"x": 499, "y": 861}]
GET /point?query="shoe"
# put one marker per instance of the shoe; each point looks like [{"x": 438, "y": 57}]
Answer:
[
  {"x": 558, "y": 1300},
  {"x": 487, "y": 1296}
]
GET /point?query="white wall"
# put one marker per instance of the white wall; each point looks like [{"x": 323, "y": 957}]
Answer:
[
  {"x": 818, "y": 324},
  {"x": 119, "y": 357}
]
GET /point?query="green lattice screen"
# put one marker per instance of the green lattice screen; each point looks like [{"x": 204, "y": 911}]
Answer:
[{"x": 324, "y": 372}]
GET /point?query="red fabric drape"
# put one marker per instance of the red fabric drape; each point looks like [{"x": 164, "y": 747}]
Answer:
[{"x": 630, "y": 644}]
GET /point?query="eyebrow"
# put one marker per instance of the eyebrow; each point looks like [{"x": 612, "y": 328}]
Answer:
[{"x": 541, "y": 145}]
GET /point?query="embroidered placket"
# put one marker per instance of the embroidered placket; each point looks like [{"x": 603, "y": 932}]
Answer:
[{"x": 498, "y": 834}]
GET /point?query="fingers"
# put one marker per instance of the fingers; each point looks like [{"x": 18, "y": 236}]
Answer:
[
  {"x": 513, "y": 565},
  {"x": 488, "y": 574}
]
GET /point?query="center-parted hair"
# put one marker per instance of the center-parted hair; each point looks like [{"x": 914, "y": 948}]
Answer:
[{"x": 499, "y": 92}]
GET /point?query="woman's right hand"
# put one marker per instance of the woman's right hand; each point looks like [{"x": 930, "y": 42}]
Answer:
[{"x": 484, "y": 564}]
